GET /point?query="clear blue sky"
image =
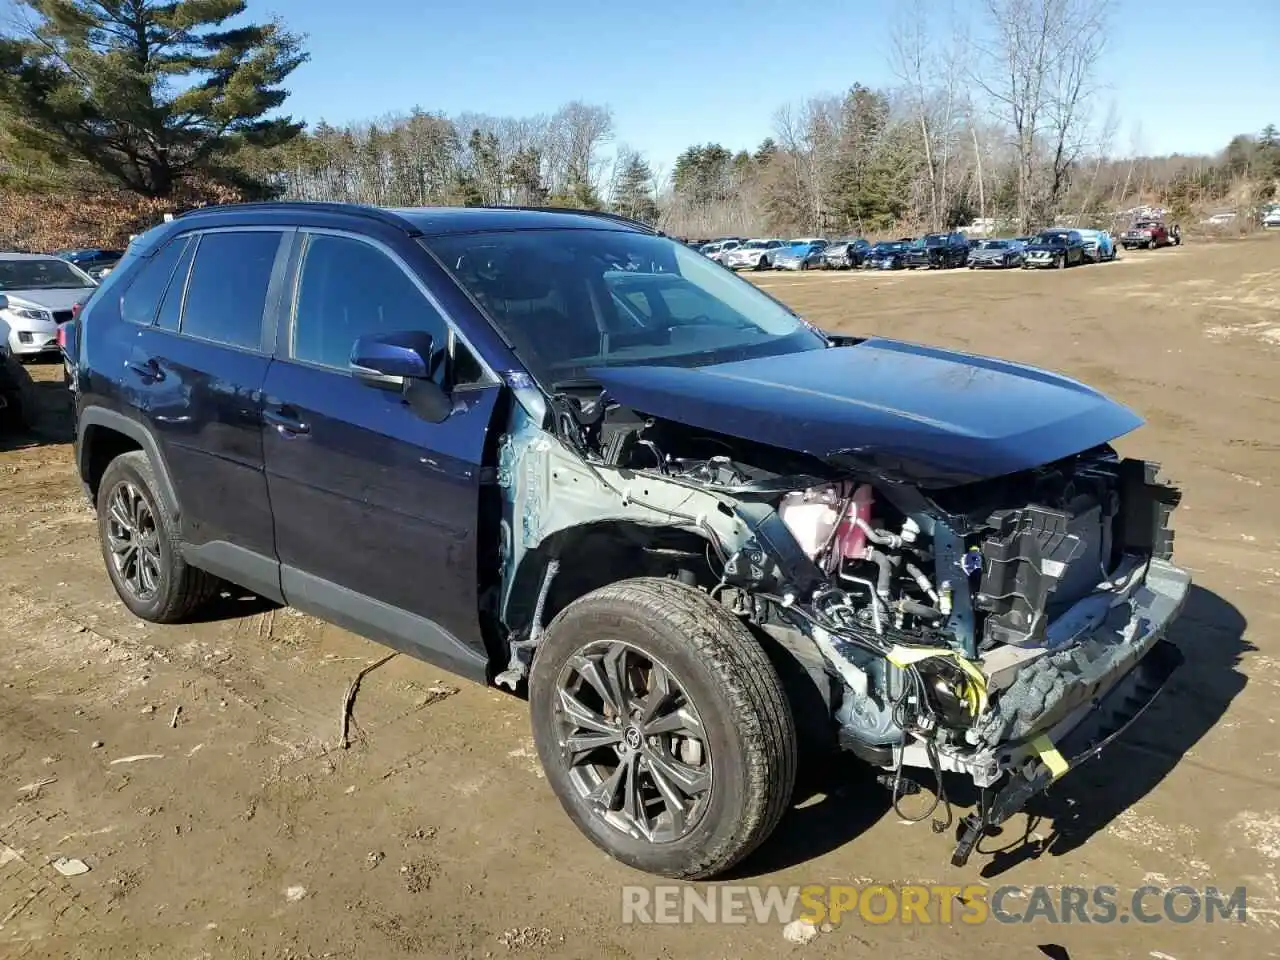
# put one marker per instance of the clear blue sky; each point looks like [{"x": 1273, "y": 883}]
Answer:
[{"x": 1192, "y": 73}]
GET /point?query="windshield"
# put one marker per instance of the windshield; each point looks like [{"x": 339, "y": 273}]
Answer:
[
  {"x": 994, "y": 244},
  {"x": 1050, "y": 236},
  {"x": 570, "y": 300},
  {"x": 48, "y": 273},
  {"x": 935, "y": 239},
  {"x": 755, "y": 244},
  {"x": 895, "y": 247}
]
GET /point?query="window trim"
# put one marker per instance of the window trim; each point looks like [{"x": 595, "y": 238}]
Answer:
[
  {"x": 267, "y": 324},
  {"x": 185, "y": 238},
  {"x": 284, "y": 345}
]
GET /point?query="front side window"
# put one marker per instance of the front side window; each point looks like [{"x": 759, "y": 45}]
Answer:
[
  {"x": 350, "y": 289},
  {"x": 227, "y": 290},
  {"x": 570, "y": 300}
]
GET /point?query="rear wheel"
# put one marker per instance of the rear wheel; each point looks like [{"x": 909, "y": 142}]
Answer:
[
  {"x": 140, "y": 544},
  {"x": 663, "y": 727}
]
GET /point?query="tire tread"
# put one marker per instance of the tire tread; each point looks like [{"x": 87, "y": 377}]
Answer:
[{"x": 757, "y": 701}]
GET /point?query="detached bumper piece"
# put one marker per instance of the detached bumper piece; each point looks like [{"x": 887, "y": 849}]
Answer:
[{"x": 1107, "y": 719}]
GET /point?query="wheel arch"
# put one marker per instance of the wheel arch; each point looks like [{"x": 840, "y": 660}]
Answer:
[
  {"x": 595, "y": 554},
  {"x": 102, "y": 435}
]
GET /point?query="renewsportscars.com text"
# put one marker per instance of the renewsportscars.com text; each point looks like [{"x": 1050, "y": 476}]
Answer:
[{"x": 930, "y": 904}]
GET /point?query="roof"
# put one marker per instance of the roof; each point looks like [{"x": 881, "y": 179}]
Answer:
[
  {"x": 5, "y": 255},
  {"x": 436, "y": 221}
]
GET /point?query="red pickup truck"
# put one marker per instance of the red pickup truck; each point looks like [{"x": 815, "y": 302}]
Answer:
[{"x": 1149, "y": 234}]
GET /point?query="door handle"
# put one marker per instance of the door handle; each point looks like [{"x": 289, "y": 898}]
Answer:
[
  {"x": 286, "y": 421},
  {"x": 149, "y": 369}
]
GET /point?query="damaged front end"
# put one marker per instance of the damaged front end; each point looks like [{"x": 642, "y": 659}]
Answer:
[{"x": 1005, "y": 629}]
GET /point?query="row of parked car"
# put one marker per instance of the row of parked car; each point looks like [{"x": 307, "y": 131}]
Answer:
[{"x": 1057, "y": 247}]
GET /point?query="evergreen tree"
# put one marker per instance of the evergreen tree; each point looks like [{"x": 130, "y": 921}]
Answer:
[
  {"x": 149, "y": 93},
  {"x": 634, "y": 193}
]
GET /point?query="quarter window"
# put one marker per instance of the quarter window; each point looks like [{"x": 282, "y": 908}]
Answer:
[
  {"x": 171, "y": 306},
  {"x": 227, "y": 290},
  {"x": 142, "y": 298}
]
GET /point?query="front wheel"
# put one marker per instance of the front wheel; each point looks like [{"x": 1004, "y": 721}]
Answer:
[
  {"x": 762, "y": 264},
  {"x": 663, "y": 727}
]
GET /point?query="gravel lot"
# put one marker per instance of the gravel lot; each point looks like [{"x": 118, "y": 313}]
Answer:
[{"x": 238, "y": 829}]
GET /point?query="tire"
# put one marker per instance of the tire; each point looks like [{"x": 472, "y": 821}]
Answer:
[
  {"x": 762, "y": 263},
  {"x": 20, "y": 405},
  {"x": 726, "y": 678},
  {"x": 176, "y": 589},
  {"x": 1151, "y": 244}
]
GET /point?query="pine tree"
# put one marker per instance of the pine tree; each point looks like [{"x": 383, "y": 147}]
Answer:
[
  {"x": 634, "y": 193},
  {"x": 148, "y": 93}
]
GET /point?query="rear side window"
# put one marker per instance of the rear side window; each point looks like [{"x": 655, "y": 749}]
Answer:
[
  {"x": 227, "y": 289},
  {"x": 141, "y": 299}
]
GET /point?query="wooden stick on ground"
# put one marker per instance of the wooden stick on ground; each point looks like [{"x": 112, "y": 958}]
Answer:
[{"x": 349, "y": 701}]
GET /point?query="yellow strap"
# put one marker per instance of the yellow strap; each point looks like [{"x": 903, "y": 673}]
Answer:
[{"x": 1047, "y": 752}]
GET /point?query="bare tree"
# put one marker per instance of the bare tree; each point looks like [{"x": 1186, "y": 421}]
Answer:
[
  {"x": 911, "y": 58},
  {"x": 1038, "y": 68}
]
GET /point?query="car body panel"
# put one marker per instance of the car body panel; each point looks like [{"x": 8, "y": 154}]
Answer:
[
  {"x": 29, "y": 324},
  {"x": 904, "y": 410},
  {"x": 847, "y": 252},
  {"x": 887, "y": 256},
  {"x": 1099, "y": 245},
  {"x": 937, "y": 251},
  {"x": 1060, "y": 244},
  {"x": 755, "y": 254},
  {"x": 996, "y": 254},
  {"x": 800, "y": 256},
  {"x": 1146, "y": 233},
  {"x": 376, "y": 499}
]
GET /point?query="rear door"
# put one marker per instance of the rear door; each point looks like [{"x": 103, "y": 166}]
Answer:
[
  {"x": 197, "y": 368},
  {"x": 376, "y": 510}
]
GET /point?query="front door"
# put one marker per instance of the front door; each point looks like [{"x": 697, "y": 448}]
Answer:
[{"x": 375, "y": 509}]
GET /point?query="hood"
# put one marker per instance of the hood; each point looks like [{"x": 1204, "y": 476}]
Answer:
[
  {"x": 897, "y": 410},
  {"x": 53, "y": 300}
]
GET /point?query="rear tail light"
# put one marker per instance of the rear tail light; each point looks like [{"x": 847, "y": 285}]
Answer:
[
  {"x": 62, "y": 336},
  {"x": 75, "y": 310}
]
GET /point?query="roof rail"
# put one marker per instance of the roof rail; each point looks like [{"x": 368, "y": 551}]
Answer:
[
  {"x": 381, "y": 214},
  {"x": 602, "y": 214}
]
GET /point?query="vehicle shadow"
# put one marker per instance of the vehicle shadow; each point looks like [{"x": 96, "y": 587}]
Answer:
[
  {"x": 838, "y": 797},
  {"x": 1210, "y": 634},
  {"x": 834, "y": 801},
  {"x": 232, "y": 603},
  {"x": 53, "y": 421}
]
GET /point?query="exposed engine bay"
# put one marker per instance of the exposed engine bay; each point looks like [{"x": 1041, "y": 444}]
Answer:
[{"x": 960, "y": 629}]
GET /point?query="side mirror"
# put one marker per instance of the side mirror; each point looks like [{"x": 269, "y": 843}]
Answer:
[
  {"x": 4, "y": 302},
  {"x": 404, "y": 363}
]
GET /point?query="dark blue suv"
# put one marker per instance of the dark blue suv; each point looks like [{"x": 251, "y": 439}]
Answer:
[{"x": 561, "y": 453}]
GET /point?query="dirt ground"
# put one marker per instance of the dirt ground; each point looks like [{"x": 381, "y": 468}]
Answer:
[{"x": 238, "y": 829}]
